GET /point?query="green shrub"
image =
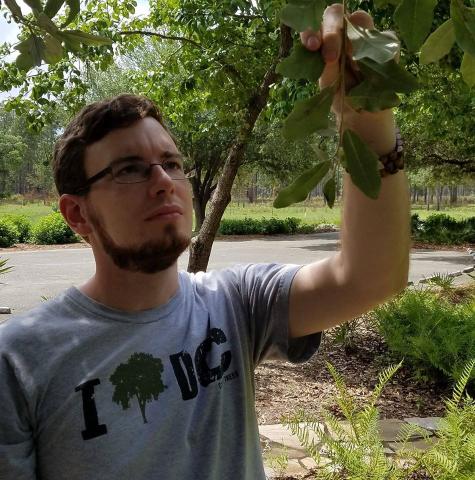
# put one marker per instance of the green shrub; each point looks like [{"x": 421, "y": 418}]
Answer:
[
  {"x": 435, "y": 335},
  {"x": 264, "y": 226},
  {"x": 52, "y": 229},
  {"x": 9, "y": 234},
  {"x": 306, "y": 228},
  {"x": 443, "y": 229},
  {"x": 22, "y": 224}
]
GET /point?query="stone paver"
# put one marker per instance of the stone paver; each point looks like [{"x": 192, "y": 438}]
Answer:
[
  {"x": 282, "y": 435},
  {"x": 429, "y": 423},
  {"x": 417, "y": 444}
]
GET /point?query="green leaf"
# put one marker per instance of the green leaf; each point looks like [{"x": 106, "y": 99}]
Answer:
[
  {"x": 302, "y": 15},
  {"x": 390, "y": 75},
  {"x": 329, "y": 192},
  {"x": 468, "y": 69},
  {"x": 362, "y": 164},
  {"x": 34, "y": 4},
  {"x": 52, "y": 7},
  {"x": 414, "y": 19},
  {"x": 379, "y": 46},
  {"x": 78, "y": 37},
  {"x": 309, "y": 115},
  {"x": 302, "y": 186},
  {"x": 47, "y": 24},
  {"x": 74, "y": 8},
  {"x": 302, "y": 64},
  {"x": 464, "y": 25},
  {"x": 33, "y": 46},
  {"x": 53, "y": 50},
  {"x": 14, "y": 8},
  {"x": 438, "y": 44},
  {"x": 24, "y": 61},
  {"x": 372, "y": 97}
]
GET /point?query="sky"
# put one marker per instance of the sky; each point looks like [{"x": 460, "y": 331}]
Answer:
[{"x": 9, "y": 31}]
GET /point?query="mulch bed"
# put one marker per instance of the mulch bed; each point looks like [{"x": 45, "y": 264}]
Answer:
[{"x": 283, "y": 388}]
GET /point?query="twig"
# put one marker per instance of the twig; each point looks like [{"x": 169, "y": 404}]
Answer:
[{"x": 161, "y": 35}]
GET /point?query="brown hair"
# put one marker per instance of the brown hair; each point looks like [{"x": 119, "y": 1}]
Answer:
[{"x": 91, "y": 124}]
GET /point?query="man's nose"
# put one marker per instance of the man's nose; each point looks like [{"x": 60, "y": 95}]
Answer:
[{"x": 159, "y": 180}]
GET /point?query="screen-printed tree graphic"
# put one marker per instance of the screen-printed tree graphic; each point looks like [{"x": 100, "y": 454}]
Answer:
[{"x": 140, "y": 377}]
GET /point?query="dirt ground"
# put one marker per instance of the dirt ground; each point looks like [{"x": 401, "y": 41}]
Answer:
[{"x": 283, "y": 388}]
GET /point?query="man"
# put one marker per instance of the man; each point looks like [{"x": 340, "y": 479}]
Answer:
[{"x": 147, "y": 373}]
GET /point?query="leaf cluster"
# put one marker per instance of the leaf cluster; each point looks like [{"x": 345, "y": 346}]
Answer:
[
  {"x": 44, "y": 40},
  {"x": 382, "y": 78}
]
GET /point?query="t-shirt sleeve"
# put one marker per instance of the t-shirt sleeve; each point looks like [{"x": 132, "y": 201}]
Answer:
[
  {"x": 17, "y": 450},
  {"x": 265, "y": 290}
]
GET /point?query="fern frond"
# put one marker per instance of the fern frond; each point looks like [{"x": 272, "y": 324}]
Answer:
[
  {"x": 367, "y": 425},
  {"x": 461, "y": 385},
  {"x": 383, "y": 379},
  {"x": 409, "y": 430},
  {"x": 436, "y": 461},
  {"x": 344, "y": 399}
]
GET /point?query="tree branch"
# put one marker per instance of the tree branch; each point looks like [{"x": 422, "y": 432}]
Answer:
[{"x": 161, "y": 35}]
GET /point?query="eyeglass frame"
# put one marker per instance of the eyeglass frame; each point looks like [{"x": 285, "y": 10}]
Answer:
[{"x": 109, "y": 169}]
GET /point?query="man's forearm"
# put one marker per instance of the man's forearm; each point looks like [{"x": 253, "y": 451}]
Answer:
[{"x": 375, "y": 234}]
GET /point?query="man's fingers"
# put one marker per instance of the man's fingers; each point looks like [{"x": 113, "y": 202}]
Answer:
[
  {"x": 331, "y": 32},
  {"x": 312, "y": 40},
  {"x": 362, "y": 19}
]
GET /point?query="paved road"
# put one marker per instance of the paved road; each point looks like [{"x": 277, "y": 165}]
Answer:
[{"x": 47, "y": 272}]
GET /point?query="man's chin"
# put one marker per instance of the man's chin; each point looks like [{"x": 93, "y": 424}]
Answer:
[{"x": 150, "y": 257}]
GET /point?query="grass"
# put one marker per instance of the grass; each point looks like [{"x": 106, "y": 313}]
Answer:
[
  {"x": 33, "y": 211},
  {"x": 310, "y": 212},
  {"x": 459, "y": 213}
]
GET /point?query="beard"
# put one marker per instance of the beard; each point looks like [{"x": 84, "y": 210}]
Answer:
[{"x": 150, "y": 257}]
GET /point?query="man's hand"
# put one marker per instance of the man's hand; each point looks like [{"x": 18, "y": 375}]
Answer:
[{"x": 376, "y": 129}]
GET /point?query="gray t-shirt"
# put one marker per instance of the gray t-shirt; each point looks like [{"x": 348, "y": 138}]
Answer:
[{"x": 90, "y": 392}]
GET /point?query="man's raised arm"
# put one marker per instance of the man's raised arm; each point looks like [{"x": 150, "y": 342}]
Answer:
[{"x": 373, "y": 262}]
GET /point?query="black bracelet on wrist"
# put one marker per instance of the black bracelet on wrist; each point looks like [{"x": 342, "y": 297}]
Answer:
[{"x": 393, "y": 161}]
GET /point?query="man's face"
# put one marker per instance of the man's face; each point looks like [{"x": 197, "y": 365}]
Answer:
[{"x": 142, "y": 226}]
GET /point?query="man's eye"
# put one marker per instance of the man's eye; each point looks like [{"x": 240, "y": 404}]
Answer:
[
  {"x": 128, "y": 169},
  {"x": 171, "y": 165}
]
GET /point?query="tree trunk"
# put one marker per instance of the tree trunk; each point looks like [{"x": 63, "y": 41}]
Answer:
[
  {"x": 438, "y": 196},
  {"x": 200, "y": 248},
  {"x": 453, "y": 195},
  {"x": 199, "y": 206},
  {"x": 202, "y": 191}
]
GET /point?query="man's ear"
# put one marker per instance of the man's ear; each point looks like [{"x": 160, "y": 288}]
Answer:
[{"x": 73, "y": 208}]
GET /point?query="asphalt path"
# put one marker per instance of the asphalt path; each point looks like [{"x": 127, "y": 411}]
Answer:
[{"x": 40, "y": 273}]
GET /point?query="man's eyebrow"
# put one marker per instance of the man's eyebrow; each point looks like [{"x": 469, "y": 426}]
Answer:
[{"x": 168, "y": 154}]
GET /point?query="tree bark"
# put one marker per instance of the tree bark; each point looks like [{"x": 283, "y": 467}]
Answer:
[
  {"x": 200, "y": 248},
  {"x": 453, "y": 194}
]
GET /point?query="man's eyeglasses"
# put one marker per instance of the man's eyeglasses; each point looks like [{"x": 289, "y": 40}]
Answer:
[{"x": 137, "y": 170}]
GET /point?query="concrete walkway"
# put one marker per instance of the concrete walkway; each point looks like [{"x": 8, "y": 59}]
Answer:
[{"x": 284, "y": 455}]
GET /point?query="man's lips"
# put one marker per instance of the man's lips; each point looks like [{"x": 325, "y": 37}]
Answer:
[{"x": 166, "y": 211}]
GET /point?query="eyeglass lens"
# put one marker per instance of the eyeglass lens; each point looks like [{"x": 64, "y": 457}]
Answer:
[{"x": 136, "y": 171}]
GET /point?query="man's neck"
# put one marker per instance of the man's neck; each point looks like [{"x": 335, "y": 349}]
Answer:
[{"x": 131, "y": 291}]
